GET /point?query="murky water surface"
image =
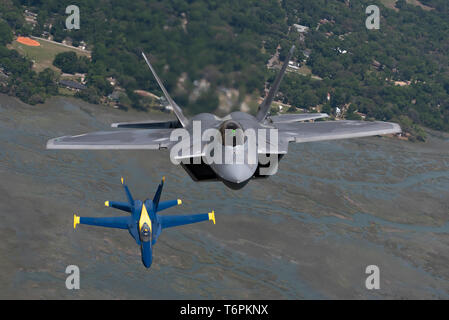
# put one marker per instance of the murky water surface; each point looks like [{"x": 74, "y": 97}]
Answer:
[{"x": 308, "y": 232}]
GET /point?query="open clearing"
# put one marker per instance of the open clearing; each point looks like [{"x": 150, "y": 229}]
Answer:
[
  {"x": 391, "y": 4},
  {"x": 43, "y": 55}
]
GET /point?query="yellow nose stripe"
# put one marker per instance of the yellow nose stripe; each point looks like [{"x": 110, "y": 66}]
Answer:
[{"x": 144, "y": 217}]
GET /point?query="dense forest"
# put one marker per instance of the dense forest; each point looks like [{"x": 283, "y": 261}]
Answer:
[{"x": 228, "y": 43}]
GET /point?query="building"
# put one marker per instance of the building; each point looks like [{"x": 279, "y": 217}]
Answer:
[
  {"x": 3, "y": 77},
  {"x": 300, "y": 28},
  {"x": 112, "y": 81},
  {"x": 376, "y": 64},
  {"x": 115, "y": 96},
  {"x": 81, "y": 77},
  {"x": 306, "y": 53},
  {"x": 83, "y": 45},
  {"x": 72, "y": 85},
  {"x": 337, "y": 111},
  {"x": 293, "y": 65},
  {"x": 402, "y": 83},
  {"x": 30, "y": 17}
]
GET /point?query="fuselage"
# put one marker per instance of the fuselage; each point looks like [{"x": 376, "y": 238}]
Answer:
[
  {"x": 233, "y": 165},
  {"x": 145, "y": 229}
]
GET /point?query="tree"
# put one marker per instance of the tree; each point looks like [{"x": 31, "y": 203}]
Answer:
[
  {"x": 66, "y": 61},
  {"x": 5, "y": 33}
]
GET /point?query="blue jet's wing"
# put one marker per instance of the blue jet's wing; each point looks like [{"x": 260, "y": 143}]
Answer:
[
  {"x": 174, "y": 221},
  {"x": 108, "y": 222}
]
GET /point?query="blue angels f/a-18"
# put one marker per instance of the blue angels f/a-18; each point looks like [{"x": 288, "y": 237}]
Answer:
[
  {"x": 290, "y": 128},
  {"x": 144, "y": 223}
]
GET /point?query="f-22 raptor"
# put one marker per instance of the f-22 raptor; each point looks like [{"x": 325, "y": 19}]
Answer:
[
  {"x": 289, "y": 128},
  {"x": 144, "y": 223}
]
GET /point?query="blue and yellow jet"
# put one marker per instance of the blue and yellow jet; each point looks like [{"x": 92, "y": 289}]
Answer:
[{"x": 144, "y": 224}]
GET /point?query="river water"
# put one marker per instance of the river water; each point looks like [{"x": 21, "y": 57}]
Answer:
[{"x": 309, "y": 232}]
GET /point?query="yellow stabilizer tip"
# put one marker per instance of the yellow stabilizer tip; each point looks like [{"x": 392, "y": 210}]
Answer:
[
  {"x": 163, "y": 179},
  {"x": 179, "y": 202},
  {"x": 212, "y": 216},
  {"x": 76, "y": 220},
  {"x": 106, "y": 203},
  {"x": 121, "y": 180}
]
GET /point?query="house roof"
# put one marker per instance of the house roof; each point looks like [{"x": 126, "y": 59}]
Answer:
[{"x": 72, "y": 84}]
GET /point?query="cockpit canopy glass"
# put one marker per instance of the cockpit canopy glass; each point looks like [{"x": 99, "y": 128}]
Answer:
[
  {"x": 232, "y": 134},
  {"x": 145, "y": 232}
]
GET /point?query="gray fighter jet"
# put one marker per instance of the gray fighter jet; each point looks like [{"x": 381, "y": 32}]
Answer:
[{"x": 268, "y": 149}]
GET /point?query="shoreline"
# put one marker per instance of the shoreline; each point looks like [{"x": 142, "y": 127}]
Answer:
[{"x": 160, "y": 114}]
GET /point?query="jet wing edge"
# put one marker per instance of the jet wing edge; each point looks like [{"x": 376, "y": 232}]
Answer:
[
  {"x": 52, "y": 145},
  {"x": 395, "y": 129}
]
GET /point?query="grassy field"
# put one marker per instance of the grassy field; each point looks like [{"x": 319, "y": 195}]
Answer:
[
  {"x": 44, "y": 54},
  {"x": 305, "y": 71},
  {"x": 66, "y": 92}
]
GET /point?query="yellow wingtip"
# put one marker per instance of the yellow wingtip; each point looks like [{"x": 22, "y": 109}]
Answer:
[
  {"x": 76, "y": 220},
  {"x": 212, "y": 216},
  {"x": 121, "y": 180},
  {"x": 106, "y": 203},
  {"x": 179, "y": 202}
]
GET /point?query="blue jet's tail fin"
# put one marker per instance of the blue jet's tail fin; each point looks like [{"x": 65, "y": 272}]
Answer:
[
  {"x": 124, "y": 206},
  {"x": 128, "y": 193},
  {"x": 157, "y": 196}
]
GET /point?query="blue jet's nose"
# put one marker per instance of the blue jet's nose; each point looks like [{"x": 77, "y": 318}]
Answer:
[{"x": 147, "y": 256}]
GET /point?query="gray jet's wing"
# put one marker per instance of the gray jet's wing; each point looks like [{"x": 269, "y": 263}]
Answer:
[
  {"x": 288, "y": 118},
  {"x": 333, "y": 130},
  {"x": 115, "y": 140},
  {"x": 149, "y": 124}
]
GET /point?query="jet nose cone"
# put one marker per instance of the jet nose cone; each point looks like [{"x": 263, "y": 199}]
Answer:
[
  {"x": 147, "y": 256},
  {"x": 236, "y": 165},
  {"x": 236, "y": 173},
  {"x": 147, "y": 261}
]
